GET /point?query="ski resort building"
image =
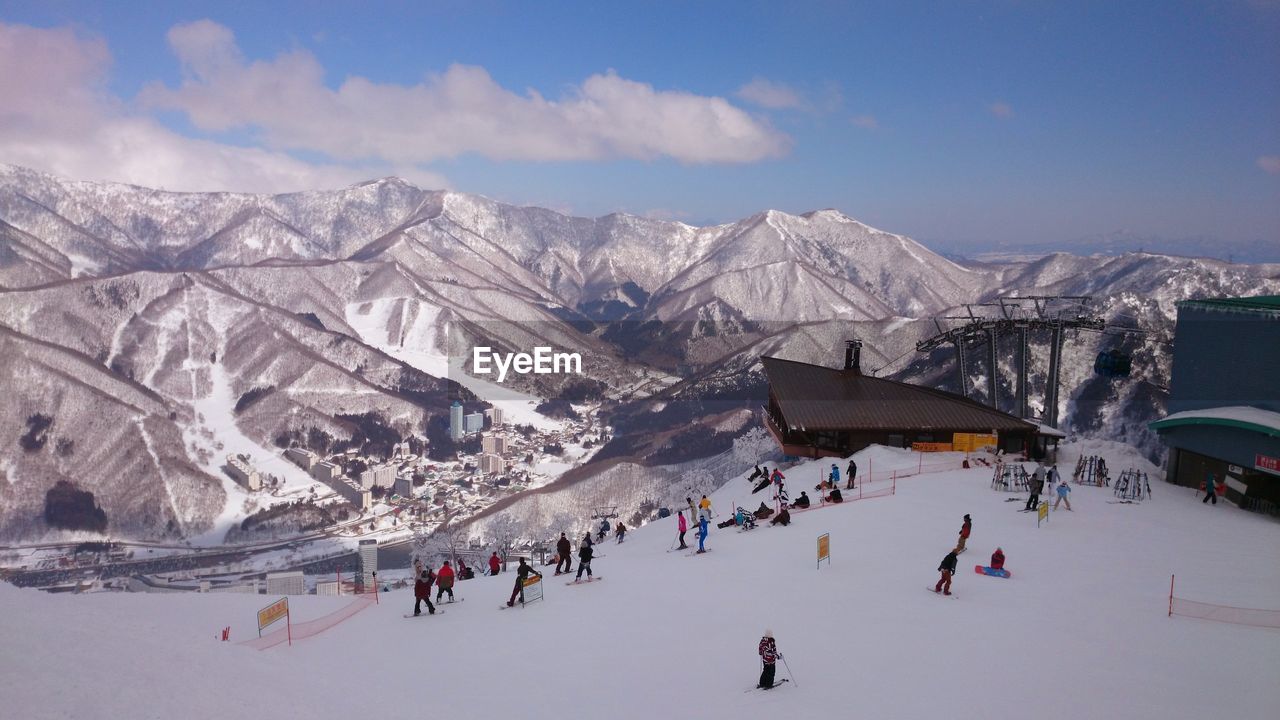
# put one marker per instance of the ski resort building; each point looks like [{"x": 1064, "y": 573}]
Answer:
[
  {"x": 817, "y": 411},
  {"x": 380, "y": 475},
  {"x": 286, "y": 583},
  {"x": 243, "y": 473},
  {"x": 1224, "y": 399},
  {"x": 368, "y": 562}
]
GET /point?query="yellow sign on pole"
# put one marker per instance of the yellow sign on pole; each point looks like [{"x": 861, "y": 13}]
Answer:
[
  {"x": 1043, "y": 514},
  {"x": 272, "y": 613},
  {"x": 972, "y": 442},
  {"x": 824, "y": 548}
]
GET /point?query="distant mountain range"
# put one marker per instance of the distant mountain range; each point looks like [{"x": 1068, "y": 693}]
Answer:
[
  {"x": 130, "y": 318},
  {"x": 1119, "y": 242}
]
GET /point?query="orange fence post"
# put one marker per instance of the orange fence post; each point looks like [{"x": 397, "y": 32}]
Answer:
[
  {"x": 288, "y": 623},
  {"x": 1171, "y": 596}
]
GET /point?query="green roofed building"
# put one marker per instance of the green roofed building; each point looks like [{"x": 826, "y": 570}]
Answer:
[{"x": 1224, "y": 399}]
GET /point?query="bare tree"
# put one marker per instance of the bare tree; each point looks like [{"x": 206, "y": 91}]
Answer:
[{"x": 504, "y": 531}]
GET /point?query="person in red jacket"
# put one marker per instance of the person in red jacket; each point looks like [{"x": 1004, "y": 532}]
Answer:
[
  {"x": 964, "y": 533},
  {"x": 444, "y": 581},
  {"x": 422, "y": 592},
  {"x": 997, "y": 559},
  {"x": 495, "y": 565}
]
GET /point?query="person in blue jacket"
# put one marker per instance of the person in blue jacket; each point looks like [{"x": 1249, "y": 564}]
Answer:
[
  {"x": 1063, "y": 489},
  {"x": 835, "y": 475},
  {"x": 702, "y": 533}
]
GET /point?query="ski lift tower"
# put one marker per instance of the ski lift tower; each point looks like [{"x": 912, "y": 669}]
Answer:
[{"x": 1055, "y": 314}]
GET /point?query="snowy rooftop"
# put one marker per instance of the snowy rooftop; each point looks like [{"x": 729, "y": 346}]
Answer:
[{"x": 1250, "y": 418}]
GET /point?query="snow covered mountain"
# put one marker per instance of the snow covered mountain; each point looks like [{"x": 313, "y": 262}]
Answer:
[{"x": 144, "y": 326}]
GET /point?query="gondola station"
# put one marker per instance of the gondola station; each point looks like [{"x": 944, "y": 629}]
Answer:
[{"x": 1223, "y": 427}]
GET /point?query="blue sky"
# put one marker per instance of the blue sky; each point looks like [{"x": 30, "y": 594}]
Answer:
[{"x": 963, "y": 124}]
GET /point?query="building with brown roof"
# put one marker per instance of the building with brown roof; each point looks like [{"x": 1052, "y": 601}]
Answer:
[{"x": 817, "y": 411}]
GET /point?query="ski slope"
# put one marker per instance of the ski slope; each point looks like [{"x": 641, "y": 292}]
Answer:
[{"x": 1080, "y": 631}]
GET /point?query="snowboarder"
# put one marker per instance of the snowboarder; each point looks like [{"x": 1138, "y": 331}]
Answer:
[
  {"x": 563, "y": 548},
  {"x": 1210, "y": 491},
  {"x": 522, "y": 573},
  {"x": 783, "y": 518},
  {"x": 997, "y": 559},
  {"x": 947, "y": 568},
  {"x": 1064, "y": 489},
  {"x": 964, "y": 533},
  {"x": 1036, "y": 485},
  {"x": 422, "y": 592},
  {"x": 853, "y": 475},
  {"x": 835, "y": 475},
  {"x": 704, "y": 507},
  {"x": 835, "y": 496},
  {"x": 682, "y": 527},
  {"x": 444, "y": 581},
  {"x": 586, "y": 539},
  {"x": 604, "y": 530},
  {"x": 769, "y": 656},
  {"x": 621, "y": 532},
  {"x": 802, "y": 501},
  {"x": 702, "y": 533},
  {"x": 584, "y": 562},
  {"x": 495, "y": 565}
]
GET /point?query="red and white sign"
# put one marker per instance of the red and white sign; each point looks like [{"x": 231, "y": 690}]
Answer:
[{"x": 1267, "y": 463}]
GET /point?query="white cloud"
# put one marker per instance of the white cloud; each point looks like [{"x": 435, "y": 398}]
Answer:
[
  {"x": 769, "y": 94},
  {"x": 57, "y": 116},
  {"x": 1001, "y": 109},
  {"x": 865, "y": 121},
  {"x": 1270, "y": 164},
  {"x": 460, "y": 111}
]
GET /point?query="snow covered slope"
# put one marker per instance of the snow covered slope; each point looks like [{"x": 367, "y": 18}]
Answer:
[{"x": 1080, "y": 631}]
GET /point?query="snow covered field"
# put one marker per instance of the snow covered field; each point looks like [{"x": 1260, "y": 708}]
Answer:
[{"x": 1080, "y": 631}]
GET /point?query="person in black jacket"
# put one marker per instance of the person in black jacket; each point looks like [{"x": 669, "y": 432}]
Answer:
[
  {"x": 563, "y": 548},
  {"x": 947, "y": 568},
  {"x": 802, "y": 501},
  {"x": 584, "y": 562},
  {"x": 522, "y": 573},
  {"x": 853, "y": 475}
]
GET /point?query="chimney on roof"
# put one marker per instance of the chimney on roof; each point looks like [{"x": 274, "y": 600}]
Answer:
[{"x": 853, "y": 356}]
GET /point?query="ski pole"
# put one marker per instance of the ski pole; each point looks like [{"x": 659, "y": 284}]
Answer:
[{"x": 790, "y": 675}]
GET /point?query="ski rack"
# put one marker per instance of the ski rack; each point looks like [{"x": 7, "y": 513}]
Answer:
[
  {"x": 1091, "y": 470},
  {"x": 1011, "y": 477},
  {"x": 1133, "y": 485}
]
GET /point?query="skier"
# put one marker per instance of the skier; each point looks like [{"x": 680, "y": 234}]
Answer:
[
  {"x": 422, "y": 592},
  {"x": 997, "y": 559},
  {"x": 464, "y": 572},
  {"x": 621, "y": 532},
  {"x": 802, "y": 501},
  {"x": 704, "y": 507},
  {"x": 495, "y": 565},
  {"x": 769, "y": 656},
  {"x": 1052, "y": 477},
  {"x": 853, "y": 475},
  {"x": 683, "y": 527},
  {"x": 444, "y": 581},
  {"x": 1064, "y": 489},
  {"x": 522, "y": 572},
  {"x": 563, "y": 548},
  {"x": 702, "y": 533},
  {"x": 1037, "y": 484},
  {"x": 584, "y": 562},
  {"x": 604, "y": 530},
  {"x": 586, "y": 539},
  {"x": 693, "y": 513},
  {"x": 1210, "y": 491},
  {"x": 964, "y": 533},
  {"x": 947, "y": 568}
]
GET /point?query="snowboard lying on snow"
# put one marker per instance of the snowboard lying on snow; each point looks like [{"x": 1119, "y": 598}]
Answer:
[{"x": 984, "y": 570}]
